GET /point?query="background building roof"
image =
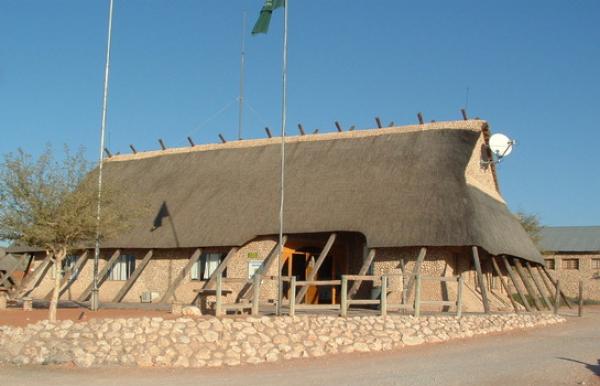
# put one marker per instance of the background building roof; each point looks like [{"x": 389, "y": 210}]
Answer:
[{"x": 570, "y": 239}]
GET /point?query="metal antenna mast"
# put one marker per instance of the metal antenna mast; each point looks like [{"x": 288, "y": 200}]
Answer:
[
  {"x": 95, "y": 299},
  {"x": 242, "y": 63}
]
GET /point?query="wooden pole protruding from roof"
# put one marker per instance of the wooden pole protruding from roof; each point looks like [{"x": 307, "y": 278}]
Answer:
[
  {"x": 363, "y": 271},
  {"x": 504, "y": 283},
  {"x": 107, "y": 152},
  {"x": 416, "y": 270},
  {"x": 562, "y": 294},
  {"x": 391, "y": 124},
  {"x": 338, "y": 127},
  {"x": 191, "y": 141},
  {"x": 222, "y": 138},
  {"x": 182, "y": 275},
  {"x": 463, "y": 112},
  {"x": 134, "y": 276},
  {"x": 512, "y": 276},
  {"x": 268, "y": 132},
  {"x": 312, "y": 275},
  {"x": 481, "y": 280},
  {"x": 301, "y": 129},
  {"x": 162, "y": 144},
  {"x": 527, "y": 283},
  {"x": 420, "y": 118},
  {"x": 351, "y": 128},
  {"x": 538, "y": 286},
  {"x": 132, "y": 149},
  {"x": 316, "y": 131},
  {"x": 378, "y": 122}
]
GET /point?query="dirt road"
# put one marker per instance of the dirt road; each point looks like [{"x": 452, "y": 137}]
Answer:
[{"x": 567, "y": 354}]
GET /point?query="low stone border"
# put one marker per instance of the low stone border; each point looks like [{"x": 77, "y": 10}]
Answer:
[{"x": 188, "y": 342}]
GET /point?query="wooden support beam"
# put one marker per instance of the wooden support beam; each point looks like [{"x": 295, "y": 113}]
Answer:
[
  {"x": 292, "y": 297},
  {"x": 134, "y": 276},
  {"x": 262, "y": 270},
  {"x": 338, "y": 126},
  {"x": 67, "y": 280},
  {"x": 132, "y": 149},
  {"x": 417, "y": 305},
  {"x": 504, "y": 283},
  {"x": 549, "y": 286},
  {"x": 580, "y": 300},
  {"x": 463, "y": 112},
  {"x": 480, "y": 279},
  {"x": 557, "y": 298},
  {"x": 420, "y": 118},
  {"x": 219, "y": 271},
  {"x": 378, "y": 121},
  {"x": 107, "y": 152},
  {"x": 351, "y": 128},
  {"x": 344, "y": 297},
  {"x": 391, "y": 124},
  {"x": 538, "y": 286},
  {"x": 31, "y": 281},
  {"x": 301, "y": 129},
  {"x": 514, "y": 280},
  {"x": 268, "y": 132},
  {"x": 527, "y": 283},
  {"x": 363, "y": 271},
  {"x": 162, "y": 144},
  {"x": 312, "y": 276},
  {"x": 191, "y": 141},
  {"x": 316, "y": 131},
  {"x": 565, "y": 299},
  {"x": 459, "y": 296},
  {"x": 417, "y": 268},
  {"x": 101, "y": 276},
  {"x": 182, "y": 275},
  {"x": 256, "y": 294},
  {"x": 222, "y": 138}
]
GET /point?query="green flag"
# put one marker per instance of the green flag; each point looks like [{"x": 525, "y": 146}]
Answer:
[{"x": 262, "y": 24}]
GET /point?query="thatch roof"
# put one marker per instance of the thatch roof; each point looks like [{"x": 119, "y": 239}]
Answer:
[{"x": 397, "y": 186}]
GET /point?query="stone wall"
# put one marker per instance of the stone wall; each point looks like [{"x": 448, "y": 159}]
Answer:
[
  {"x": 188, "y": 342},
  {"x": 569, "y": 278}
]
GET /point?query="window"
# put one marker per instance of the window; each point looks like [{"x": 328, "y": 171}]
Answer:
[
  {"x": 67, "y": 265},
  {"x": 550, "y": 264},
  {"x": 206, "y": 266},
  {"x": 123, "y": 268},
  {"x": 570, "y": 263},
  {"x": 595, "y": 263}
]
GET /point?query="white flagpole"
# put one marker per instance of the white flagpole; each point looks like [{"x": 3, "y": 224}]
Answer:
[
  {"x": 283, "y": 122},
  {"x": 242, "y": 62},
  {"x": 95, "y": 300}
]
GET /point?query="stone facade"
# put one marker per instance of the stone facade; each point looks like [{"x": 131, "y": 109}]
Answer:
[
  {"x": 213, "y": 342},
  {"x": 586, "y": 268}
]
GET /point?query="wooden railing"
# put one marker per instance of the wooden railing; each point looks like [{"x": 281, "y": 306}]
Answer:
[{"x": 457, "y": 302}]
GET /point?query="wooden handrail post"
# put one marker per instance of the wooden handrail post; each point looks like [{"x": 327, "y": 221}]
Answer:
[
  {"x": 219, "y": 305},
  {"x": 384, "y": 283},
  {"x": 580, "y": 308},
  {"x": 292, "y": 299},
  {"x": 557, "y": 297},
  {"x": 344, "y": 297},
  {"x": 459, "y": 296},
  {"x": 418, "y": 296},
  {"x": 256, "y": 294}
]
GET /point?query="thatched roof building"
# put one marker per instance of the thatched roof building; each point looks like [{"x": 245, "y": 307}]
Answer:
[{"x": 401, "y": 186}]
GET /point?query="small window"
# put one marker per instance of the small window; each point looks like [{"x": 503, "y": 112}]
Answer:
[
  {"x": 570, "y": 263},
  {"x": 595, "y": 263},
  {"x": 550, "y": 264},
  {"x": 123, "y": 268},
  {"x": 206, "y": 266}
]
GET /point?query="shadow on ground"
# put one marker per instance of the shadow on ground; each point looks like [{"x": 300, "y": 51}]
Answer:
[{"x": 593, "y": 368}]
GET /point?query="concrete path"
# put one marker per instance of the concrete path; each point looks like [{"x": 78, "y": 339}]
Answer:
[{"x": 567, "y": 354}]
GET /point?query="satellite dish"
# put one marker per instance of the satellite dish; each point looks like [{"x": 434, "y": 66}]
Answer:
[{"x": 500, "y": 145}]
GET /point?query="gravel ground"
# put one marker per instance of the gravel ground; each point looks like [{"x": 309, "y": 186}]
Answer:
[{"x": 564, "y": 354}]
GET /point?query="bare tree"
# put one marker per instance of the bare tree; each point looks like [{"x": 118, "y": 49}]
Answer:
[
  {"x": 531, "y": 224},
  {"x": 50, "y": 204}
]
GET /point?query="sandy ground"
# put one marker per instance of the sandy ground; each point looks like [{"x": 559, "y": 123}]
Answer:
[{"x": 566, "y": 354}]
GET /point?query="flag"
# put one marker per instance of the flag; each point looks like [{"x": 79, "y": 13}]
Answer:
[{"x": 262, "y": 24}]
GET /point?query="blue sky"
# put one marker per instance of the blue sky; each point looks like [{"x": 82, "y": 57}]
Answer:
[{"x": 532, "y": 68}]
